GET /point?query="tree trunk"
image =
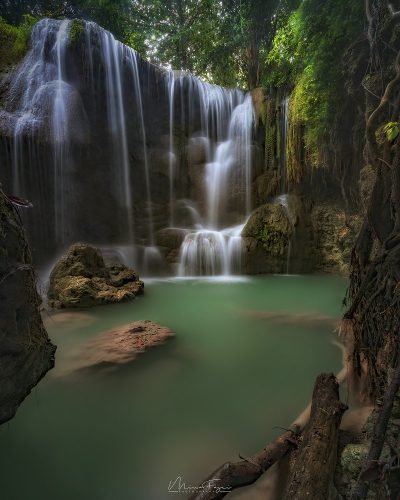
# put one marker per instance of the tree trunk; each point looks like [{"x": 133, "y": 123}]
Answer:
[{"x": 312, "y": 474}]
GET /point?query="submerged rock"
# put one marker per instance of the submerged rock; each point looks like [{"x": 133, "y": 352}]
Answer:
[
  {"x": 81, "y": 279},
  {"x": 26, "y": 353},
  {"x": 123, "y": 344}
]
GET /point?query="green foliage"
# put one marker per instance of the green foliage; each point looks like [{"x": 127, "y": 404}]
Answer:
[
  {"x": 113, "y": 15},
  {"x": 76, "y": 30},
  {"x": 192, "y": 35},
  {"x": 391, "y": 130},
  {"x": 306, "y": 55},
  {"x": 14, "y": 40}
]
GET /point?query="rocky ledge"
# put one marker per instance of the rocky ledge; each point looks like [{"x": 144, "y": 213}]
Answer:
[
  {"x": 123, "y": 344},
  {"x": 82, "y": 279}
]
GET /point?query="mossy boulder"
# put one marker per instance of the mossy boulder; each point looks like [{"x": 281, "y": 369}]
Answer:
[
  {"x": 270, "y": 226},
  {"x": 267, "y": 236},
  {"x": 81, "y": 279}
]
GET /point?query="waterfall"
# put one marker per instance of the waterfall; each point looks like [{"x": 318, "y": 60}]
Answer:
[
  {"x": 283, "y": 200},
  {"x": 213, "y": 249},
  {"x": 113, "y": 54},
  {"x": 111, "y": 173},
  {"x": 136, "y": 78},
  {"x": 284, "y": 125},
  {"x": 44, "y": 92},
  {"x": 171, "y": 153}
]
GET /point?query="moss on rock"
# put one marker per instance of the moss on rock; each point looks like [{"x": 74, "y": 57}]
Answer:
[
  {"x": 76, "y": 30},
  {"x": 270, "y": 226},
  {"x": 352, "y": 459}
]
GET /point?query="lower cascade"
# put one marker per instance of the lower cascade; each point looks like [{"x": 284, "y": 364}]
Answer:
[{"x": 208, "y": 253}]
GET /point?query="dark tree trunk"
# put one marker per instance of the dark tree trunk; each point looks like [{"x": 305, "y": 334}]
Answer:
[{"x": 312, "y": 473}]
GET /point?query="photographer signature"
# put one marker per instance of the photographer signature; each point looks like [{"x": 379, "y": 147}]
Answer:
[{"x": 179, "y": 486}]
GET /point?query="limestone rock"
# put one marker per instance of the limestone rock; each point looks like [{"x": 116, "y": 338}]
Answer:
[
  {"x": 26, "y": 353},
  {"x": 123, "y": 344},
  {"x": 81, "y": 279}
]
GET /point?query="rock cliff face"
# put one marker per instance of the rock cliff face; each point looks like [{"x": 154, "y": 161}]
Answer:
[
  {"x": 26, "y": 353},
  {"x": 325, "y": 200}
]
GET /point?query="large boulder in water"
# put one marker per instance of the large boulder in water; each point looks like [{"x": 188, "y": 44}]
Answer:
[
  {"x": 26, "y": 353},
  {"x": 81, "y": 279}
]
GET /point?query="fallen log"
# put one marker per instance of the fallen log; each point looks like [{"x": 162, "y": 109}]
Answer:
[
  {"x": 232, "y": 475},
  {"x": 312, "y": 474}
]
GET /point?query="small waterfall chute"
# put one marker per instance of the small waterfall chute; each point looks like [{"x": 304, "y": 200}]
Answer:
[{"x": 213, "y": 249}]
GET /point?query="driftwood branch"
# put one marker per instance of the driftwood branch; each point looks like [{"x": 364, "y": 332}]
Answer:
[
  {"x": 233, "y": 475},
  {"x": 378, "y": 437},
  {"x": 312, "y": 473}
]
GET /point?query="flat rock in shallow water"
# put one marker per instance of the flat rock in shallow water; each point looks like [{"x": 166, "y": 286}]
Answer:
[{"x": 123, "y": 344}]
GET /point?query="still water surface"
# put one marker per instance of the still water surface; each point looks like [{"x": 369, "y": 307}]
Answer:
[{"x": 244, "y": 360}]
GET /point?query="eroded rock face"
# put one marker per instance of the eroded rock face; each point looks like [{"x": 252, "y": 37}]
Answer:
[
  {"x": 26, "y": 353},
  {"x": 123, "y": 344},
  {"x": 81, "y": 279},
  {"x": 335, "y": 234}
]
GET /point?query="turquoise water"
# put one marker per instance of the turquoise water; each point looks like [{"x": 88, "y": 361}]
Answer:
[{"x": 243, "y": 362}]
